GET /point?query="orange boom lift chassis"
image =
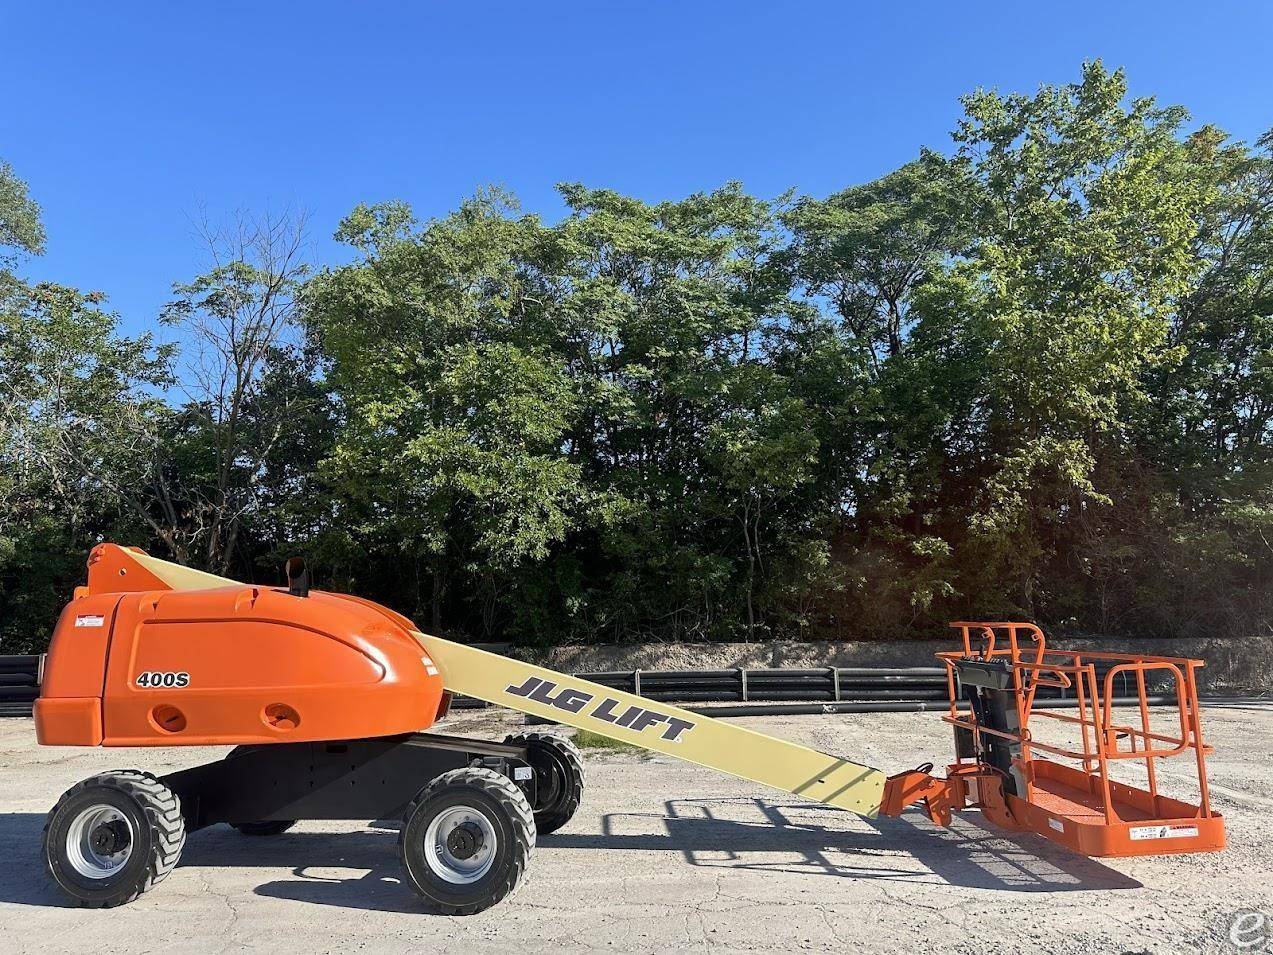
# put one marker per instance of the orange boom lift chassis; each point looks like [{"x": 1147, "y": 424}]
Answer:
[{"x": 325, "y": 698}]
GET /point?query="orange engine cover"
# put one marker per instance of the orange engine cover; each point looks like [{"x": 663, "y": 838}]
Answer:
[{"x": 231, "y": 664}]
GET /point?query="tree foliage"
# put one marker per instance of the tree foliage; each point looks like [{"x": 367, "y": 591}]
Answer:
[{"x": 1029, "y": 376}]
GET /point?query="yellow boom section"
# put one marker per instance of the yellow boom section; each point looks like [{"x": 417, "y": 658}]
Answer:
[
  {"x": 657, "y": 726},
  {"x": 178, "y": 577}
]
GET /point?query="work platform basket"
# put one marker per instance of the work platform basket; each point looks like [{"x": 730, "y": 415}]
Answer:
[{"x": 1121, "y": 710}]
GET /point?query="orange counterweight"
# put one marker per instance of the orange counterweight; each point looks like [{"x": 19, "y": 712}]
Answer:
[{"x": 234, "y": 664}]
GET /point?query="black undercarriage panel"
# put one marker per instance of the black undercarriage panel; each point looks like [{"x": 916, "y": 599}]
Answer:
[{"x": 349, "y": 779}]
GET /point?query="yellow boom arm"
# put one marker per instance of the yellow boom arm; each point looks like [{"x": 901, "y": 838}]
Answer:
[{"x": 657, "y": 726}]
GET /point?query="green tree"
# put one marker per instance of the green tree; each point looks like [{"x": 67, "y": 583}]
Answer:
[
  {"x": 235, "y": 320},
  {"x": 679, "y": 327},
  {"x": 77, "y": 423},
  {"x": 1086, "y": 208},
  {"x": 21, "y": 230},
  {"x": 75, "y": 416},
  {"x": 454, "y": 412},
  {"x": 869, "y": 254},
  {"x": 1189, "y": 548}
]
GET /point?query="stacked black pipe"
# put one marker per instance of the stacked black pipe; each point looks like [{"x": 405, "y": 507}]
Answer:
[
  {"x": 865, "y": 685},
  {"x": 19, "y": 684},
  {"x": 825, "y": 684}
]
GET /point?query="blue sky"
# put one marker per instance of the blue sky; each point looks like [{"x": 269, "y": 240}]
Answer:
[{"x": 127, "y": 119}]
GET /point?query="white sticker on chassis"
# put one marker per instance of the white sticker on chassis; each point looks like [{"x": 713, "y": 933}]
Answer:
[
  {"x": 1163, "y": 832},
  {"x": 90, "y": 620}
]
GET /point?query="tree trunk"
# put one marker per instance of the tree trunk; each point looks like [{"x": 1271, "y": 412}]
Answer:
[
  {"x": 751, "y": 573},
  {"x": 435, "y": 604}
]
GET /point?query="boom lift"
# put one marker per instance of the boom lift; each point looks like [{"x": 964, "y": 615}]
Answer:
[{"x": 325, "y": 696}]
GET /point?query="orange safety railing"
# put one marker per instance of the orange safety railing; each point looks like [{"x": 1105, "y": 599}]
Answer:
[{"x": 1023, "y": 648}]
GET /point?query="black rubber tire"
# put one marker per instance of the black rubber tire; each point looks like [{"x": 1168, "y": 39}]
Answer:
[
  {"x": 159, "y": 834},
  {"x": 559, "y": 777},
  {"x": 266, "y": 827},
  {"x": 504, "y": 806}
]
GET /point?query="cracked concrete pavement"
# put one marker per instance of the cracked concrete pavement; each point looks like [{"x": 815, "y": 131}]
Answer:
[{"x": 665, "y": 856}]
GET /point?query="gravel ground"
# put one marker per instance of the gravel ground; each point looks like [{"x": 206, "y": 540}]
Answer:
[{"x": 665, "y": 856}]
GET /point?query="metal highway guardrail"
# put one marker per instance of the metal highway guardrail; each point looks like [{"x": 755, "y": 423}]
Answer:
[
  {"x": 821, "y": 689},
  {"x": 20, "y": 683},
  {"x": 842, "y": 689}
]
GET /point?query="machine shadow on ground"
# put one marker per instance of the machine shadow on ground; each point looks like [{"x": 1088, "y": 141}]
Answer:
[
  {"x": 24, "y": 882},
  {"x": 816, "y": 840},
  {"x": 22, "y": 879},
  {"x": 733, "y": 833}
]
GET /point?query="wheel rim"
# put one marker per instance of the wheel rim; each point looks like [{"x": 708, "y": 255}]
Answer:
[
  {"x": 460, "y": 844},
  {"x": 99, "y": 841}
]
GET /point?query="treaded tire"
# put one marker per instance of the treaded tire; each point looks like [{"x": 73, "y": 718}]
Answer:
[
  {"x": 266, "y": 827},
  {"x": 512, "y": 824},
  {"x": 559, "y": 777},
  {"x": 157, "y": 833}
]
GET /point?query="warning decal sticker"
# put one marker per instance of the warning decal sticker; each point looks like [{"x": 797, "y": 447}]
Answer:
[{"x": 1163, "y": 832}]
